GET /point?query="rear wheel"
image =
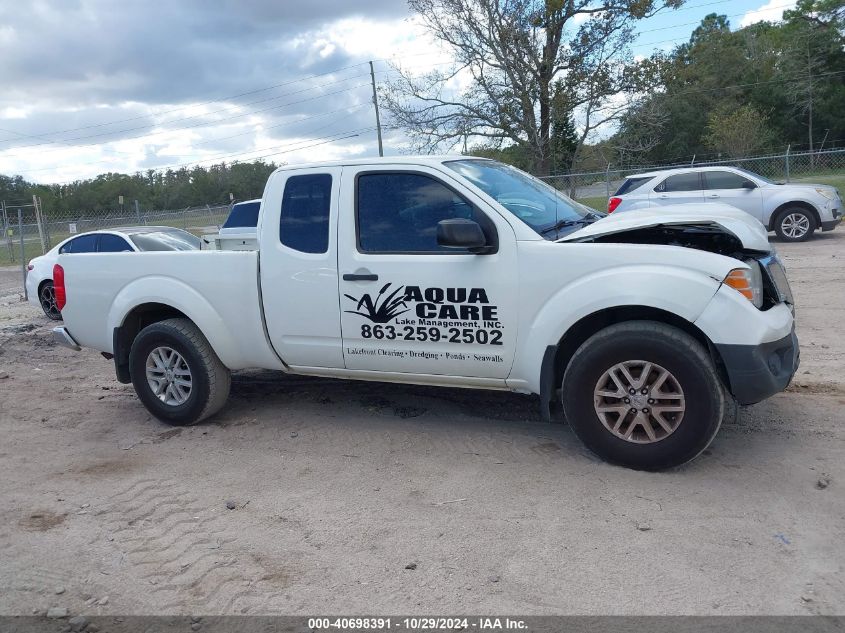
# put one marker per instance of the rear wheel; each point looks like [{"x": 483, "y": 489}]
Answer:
[
  {"x": 795, "y": 224},
  {"x": 47, "y": 299},
  {"x": 643, "y": 394},
  {"x": 176, "y": 373}
]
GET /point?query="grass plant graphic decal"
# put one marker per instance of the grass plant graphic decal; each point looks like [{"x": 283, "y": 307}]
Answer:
[{"x": 384, "y": 308}]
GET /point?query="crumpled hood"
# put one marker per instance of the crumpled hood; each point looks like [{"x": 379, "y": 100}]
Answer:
[{"x": 743, "y": 226}]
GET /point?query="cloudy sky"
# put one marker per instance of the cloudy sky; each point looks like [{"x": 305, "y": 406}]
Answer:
[{"x": 91, "y": 86}]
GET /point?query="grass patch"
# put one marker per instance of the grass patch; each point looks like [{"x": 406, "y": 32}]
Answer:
[
  {"x": 834, "y": 180},
  {"x": 599, "y": 203}
]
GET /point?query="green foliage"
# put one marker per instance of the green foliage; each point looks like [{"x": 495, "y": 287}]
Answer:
[
  {"x": 788, "y": 74},
  {"x": 737, "y": 132},
  {"x": 170, "y": 189}
]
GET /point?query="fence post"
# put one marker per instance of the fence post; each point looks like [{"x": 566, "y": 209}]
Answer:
[
  {"x": 607, "y": 181},
  {"x": 692, "y": 162},
  {"x": 7, "y": 230},
  {"x": 23, "y": 259},
  {"x": 46, "y": 224},
  {"x": 787, "y": 161},
  {"x": 138, "y": 211},
  {"x": 38, "y": 221}
]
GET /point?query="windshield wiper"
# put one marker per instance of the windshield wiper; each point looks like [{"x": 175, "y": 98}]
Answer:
[{"x": 562, "y": 224}]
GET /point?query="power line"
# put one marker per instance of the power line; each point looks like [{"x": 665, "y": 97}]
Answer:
[
  {"x": 196, "y": 105},
  {"x": 193, "y": 105},
  {"x": 322, "y": 127},
  {"x": 735, "y": 15},
  {"x": 329, "y": 139},
  {"x": 204, "y": 123},
  {"x": 207, "y": 114}
]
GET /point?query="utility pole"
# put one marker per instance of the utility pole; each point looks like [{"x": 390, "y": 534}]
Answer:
[
  {"x": 375, "y": 103},
  {"x": 810, "y": 94}
]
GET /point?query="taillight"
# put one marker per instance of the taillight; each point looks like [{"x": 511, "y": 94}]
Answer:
[
  {"x": 59, "y": 286},
  {"x": 612, "y": 204}
]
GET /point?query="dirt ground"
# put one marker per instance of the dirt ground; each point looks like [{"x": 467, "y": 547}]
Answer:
[{"x": 384, "y": 499}]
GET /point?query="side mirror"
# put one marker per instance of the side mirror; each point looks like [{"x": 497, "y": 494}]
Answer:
[
  {"x": 460, "y": 233},
  {"x": 748, "y": 185}
]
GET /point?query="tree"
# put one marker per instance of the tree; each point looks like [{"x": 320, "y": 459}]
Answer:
[
  {"x": 521, "y": 56},
  {"x": 792, "y": 71},
  {"x": 738, "y": 131}
]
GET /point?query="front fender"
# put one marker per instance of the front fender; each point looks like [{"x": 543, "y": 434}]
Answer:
[
  {"x": 680, "y": 291},
  {"x": 179, "y": 295}
]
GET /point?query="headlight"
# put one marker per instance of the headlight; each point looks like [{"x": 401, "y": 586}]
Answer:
[
  {"x": 827, "y": 193},
  {"x": 748, "y": 282}
]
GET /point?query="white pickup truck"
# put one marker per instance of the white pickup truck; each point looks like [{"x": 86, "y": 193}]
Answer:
[{"x": 457, "y": 272}]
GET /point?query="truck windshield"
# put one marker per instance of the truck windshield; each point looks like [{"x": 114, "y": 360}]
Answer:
[{"x": 542, "y": 207}]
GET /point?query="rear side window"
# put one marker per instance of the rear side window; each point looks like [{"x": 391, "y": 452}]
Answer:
[
  {"x": 243, "y": 214},
  {"x": 680, "y": 182},
  {"x": 631, "y": 184},
  {"x": 306, "y": 205},
  {"x": 113, "y": 244},
  {"x": 81, "y": 244},
  {"x": 723, "y": 180},
  {"x": 399, "y": 212}
]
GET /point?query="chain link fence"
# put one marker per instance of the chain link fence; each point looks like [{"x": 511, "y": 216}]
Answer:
[
  {"x": 824, "y": 167},
  {"x": 30, "y": 230}
]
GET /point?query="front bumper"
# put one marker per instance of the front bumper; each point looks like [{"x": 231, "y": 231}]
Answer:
[
  {"x": 756, "y": 372},
  {"x": 63, "y": 337},
  {"x": 829, "y": 226}
]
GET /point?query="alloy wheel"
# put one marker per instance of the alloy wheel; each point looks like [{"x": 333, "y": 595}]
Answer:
[
  {"x": 639, "y": 401},
  {"x": 169, "y": 376},
  {"x": 795, "y": 225}
]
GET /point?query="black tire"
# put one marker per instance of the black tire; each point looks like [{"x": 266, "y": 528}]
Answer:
[
  {"x": 210, "y": 379},
  {"x": 690, "y": 367},
  {"x": 47, "y": 299},
  {"x": 795, "y": 224}
]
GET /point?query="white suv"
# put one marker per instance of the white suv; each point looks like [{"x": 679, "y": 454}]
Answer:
[{"x": 792, "y": 210}]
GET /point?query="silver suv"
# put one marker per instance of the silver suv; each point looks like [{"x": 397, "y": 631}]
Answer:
[{"x": 792, "y": 210}]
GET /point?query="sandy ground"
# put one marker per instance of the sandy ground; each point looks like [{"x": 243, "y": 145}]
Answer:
[{"x": 370, "y": 498}]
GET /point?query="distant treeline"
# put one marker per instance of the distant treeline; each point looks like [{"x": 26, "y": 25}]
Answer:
[{"x": 169, "y": 189}]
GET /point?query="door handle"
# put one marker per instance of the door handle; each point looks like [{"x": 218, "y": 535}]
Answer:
[
  {"x": 713, "y": 195},
  {"x": 364, "y": 275},
  {"x": 663, "y": 196}
]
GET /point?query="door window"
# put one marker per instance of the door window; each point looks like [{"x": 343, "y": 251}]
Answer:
[
  {"x": 723, "y": 180},
  {"x": 81, "y": 244},
  {"x": 399, "y": 212},
  {"x": 680, "y": 182},
  {"x": 113, "y": 244},
  {"x": 306, "y": 203}
]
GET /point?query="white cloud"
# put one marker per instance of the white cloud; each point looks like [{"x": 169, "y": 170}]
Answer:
[{"x": 772, "y": 11}]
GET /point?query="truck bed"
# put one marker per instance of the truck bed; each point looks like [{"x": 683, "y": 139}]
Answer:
[{"x": 218, "y": 290}]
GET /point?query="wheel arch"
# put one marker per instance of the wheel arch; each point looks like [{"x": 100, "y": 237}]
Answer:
[
  {"x": 43, "y": 283},
  {"x": 136, "y": 320},
  {"x": 801, "y": 204},
  {"x": 557, "y": 357}
]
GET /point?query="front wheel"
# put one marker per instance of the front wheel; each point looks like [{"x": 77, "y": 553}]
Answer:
[
  {"x": 176, "y": 373},
  {"x": 644, "y": 395},
  {"x": 795, "y": 225}
]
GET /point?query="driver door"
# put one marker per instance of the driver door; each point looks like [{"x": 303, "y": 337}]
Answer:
[{"x": 409, "y": 305}]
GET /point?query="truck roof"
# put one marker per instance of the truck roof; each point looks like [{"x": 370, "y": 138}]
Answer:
[{"x": 379, "y": 160}]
